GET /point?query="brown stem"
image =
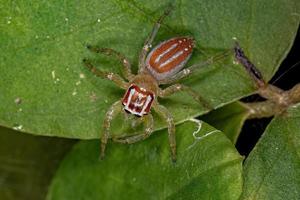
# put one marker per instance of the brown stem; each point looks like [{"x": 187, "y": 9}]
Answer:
[{"x": 277, "y": 101}]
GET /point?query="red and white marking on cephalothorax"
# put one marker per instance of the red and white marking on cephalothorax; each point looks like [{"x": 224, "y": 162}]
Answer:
[
  {"x": 137, "y": 100},
  {"x": 163, "y": 61},
  {"x": 163, "y": 65},
  {"x": 169, "y": 57}
]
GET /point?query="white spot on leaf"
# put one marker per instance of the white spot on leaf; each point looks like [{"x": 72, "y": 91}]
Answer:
[
  {"x": 81, "y": 75},
  {"x": 18, "y": 127},
  {"x": 18, "y": 100},
  {"x": 74, "y": 92},
  {"x": 53, "y": 74},
  {"x": 198, "y": 138},
  {"x": 235, "y": 62},
  {"x": 9, "y": 20}
]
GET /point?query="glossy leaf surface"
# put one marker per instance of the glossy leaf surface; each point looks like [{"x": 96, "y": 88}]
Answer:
[
  {"x": 45, "y": 89},
  {"x": 272, "y": 170},
  {"x": 207, "y": 168}
]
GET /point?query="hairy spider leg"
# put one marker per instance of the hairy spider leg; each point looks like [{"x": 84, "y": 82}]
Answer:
[
  {"x": 150, "y": 38},
  {"x": 190, "y": 70},
  {"x": 183, "y": 88},
  {"x": 163, "y": 111},
  {"x": 106, "y": 75},
  {"x": 248, "y": 65},
  {"x": 129, "y": 139},
  {"x": 126, "y": 70},
  {"x": 109, "y": 116}
]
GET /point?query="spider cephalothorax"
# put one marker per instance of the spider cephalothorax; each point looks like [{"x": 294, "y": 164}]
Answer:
[{"x": 163, "y": 65}]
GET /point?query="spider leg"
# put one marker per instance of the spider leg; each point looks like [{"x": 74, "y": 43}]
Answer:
[
  {"x": 126, "y": 70},
  {"x": 163, "y": 111},
  {"x": 106, "y": 75},
  {"x": 190, "y": 70},
  {"x": 110, "y": 114},
  {"x": 180, "y": 87},
  {"x": 148, "y": 121},
  {"x": 149, "y": 40},
  {"x": 265, "y": 90},
  {"x": 249, "y": 66}
]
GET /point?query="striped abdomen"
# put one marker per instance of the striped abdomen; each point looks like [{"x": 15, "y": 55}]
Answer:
[{"x": 169, "y": 57}]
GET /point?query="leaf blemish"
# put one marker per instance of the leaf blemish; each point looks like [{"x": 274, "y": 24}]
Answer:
[
  {"x": 81, "y": 75},
  {"x": 199, "y": 123},
  {"x": 198, "y": 138},
  {"x": 17, "y": 127},
  {"x": 18, "y": 100},
  {"x": 235, "y": 62},
  {"x": 9, "y": 20},
  {"x": 53, "y": 74},
  {"x": 74, "y": 92},
  {"x": 93, "y": 97}
]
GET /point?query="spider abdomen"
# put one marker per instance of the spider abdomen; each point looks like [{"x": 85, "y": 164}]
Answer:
[
  {"x": 137, "y": 100},
  {"x": 169, "y": 57}
]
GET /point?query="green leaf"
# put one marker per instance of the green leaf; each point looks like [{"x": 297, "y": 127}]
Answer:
[
  {"x": 207, "y": 168},
  {"x": 272, "y": 170},
  {"x": 27, "y": 163},
  {"x": 43, "y": 44},
  {"x": 229, "y": 119}
]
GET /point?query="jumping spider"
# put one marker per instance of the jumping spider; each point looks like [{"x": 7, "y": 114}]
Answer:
[{"x": 163, "y": 65}]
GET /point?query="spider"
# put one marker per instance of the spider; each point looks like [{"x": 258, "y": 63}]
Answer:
[{"x": 163, "y": 65}]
